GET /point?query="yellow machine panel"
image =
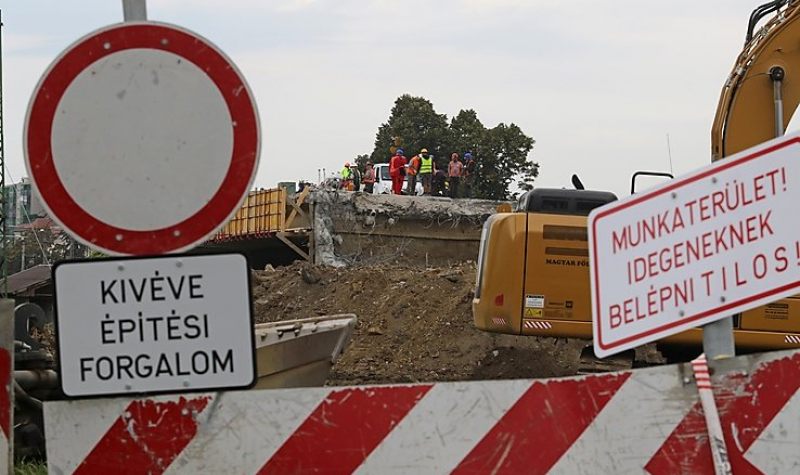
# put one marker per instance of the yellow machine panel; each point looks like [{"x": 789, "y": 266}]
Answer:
[
  {"x": 781, "y": 316},
  {"x": 557, "y": 270},
  {"x": 497, "y": 306}
]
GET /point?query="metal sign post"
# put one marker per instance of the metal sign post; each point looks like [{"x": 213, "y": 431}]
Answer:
[
  {"x": 134, "y": 10},
  {"x": 718, "y": 340}
]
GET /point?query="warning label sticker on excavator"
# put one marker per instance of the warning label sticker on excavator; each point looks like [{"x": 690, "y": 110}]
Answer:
[
  {"x": 777, "y": 311},
  {"x": 534, "y": 301},
  {"x": 718, "y": 241}
]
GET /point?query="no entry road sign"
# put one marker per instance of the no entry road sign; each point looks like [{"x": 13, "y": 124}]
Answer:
[
  {"x": 718, "y": 241},
  {"x": 141, "y": 325},
  {"x": 142, "y": 138}
]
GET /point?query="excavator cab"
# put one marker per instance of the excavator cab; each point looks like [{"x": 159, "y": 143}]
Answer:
[
  {"x": 565, "y": 202},
  {"x": 548, "y": 288},
  {"x": 658, "y": 175}
]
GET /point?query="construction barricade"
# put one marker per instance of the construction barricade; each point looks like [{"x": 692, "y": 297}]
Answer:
[
  {"x": 262, "y": 212},
  {"x": 647, "y": 420}
]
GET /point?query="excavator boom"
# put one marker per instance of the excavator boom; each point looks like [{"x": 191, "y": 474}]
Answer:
[{"x": 763, "y": 89}]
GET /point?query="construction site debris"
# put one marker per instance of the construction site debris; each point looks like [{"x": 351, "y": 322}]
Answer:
[
  {"x": 414, "y": 324},
  {"x": 309, "y": 275},
  {"x": 362, "y": 229}
]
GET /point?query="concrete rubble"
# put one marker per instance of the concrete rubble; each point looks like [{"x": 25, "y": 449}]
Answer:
[{"x": 359, "y": 228}]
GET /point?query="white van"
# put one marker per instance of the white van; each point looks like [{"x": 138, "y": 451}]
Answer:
[{"x": 383, "y": 182}]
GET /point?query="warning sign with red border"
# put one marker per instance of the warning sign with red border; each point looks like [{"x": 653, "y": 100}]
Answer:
[
  {"x": 718, "y": 241},
  {"x": 142, "y": 138}
]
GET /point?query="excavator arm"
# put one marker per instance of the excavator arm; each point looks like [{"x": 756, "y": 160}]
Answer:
[{"x": 763, "y": 90}]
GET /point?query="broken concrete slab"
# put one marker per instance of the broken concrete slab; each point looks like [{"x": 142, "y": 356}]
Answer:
[{"x": 358, "y": 228}]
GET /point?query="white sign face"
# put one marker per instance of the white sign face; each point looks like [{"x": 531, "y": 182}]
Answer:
[
  {"x": 142, "y": 138},
  {"x": 721, "y": 240},
  {"x": 177, "y": 323}
]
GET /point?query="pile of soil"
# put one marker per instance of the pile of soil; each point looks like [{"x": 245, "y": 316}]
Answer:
[{"x": 414, "y": 325}]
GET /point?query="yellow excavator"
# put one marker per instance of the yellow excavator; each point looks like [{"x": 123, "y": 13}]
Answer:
[{"x": 533, "y": 264}]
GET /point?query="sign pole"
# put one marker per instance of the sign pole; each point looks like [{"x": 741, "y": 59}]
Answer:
[
  {"x": 718, "y": 336},
  {"x": 718, "y": 339},
  {"x": 134, "y": 10}
]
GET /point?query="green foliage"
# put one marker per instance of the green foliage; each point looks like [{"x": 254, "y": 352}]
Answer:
[
  {"x": 466, "y": 130},
  {"x": 361, "y": 160},
  {"x": 27, "y": 467},
  {"x": 413, "y": 125},
  {"x": 501, "y": 152},
  {"x": 502, "y": 158},
  {"x": 467, "y": 134},
  {"x": 40, "y": 246}
]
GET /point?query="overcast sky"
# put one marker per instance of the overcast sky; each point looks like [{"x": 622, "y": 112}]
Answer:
[{"x": 597, "y": 84}]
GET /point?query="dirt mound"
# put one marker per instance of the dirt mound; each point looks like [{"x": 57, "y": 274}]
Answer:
[{"x": 413, "y": 324}]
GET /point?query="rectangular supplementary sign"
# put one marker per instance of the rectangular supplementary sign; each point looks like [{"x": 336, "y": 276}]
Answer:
[
  {"x": 154, "y": 324},
  {"x": 718, "y": 241}
]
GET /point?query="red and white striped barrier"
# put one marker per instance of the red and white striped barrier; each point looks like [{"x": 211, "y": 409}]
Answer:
[
  {"x": 633, "y": 421},
  {"x": 6, "y": 393}
]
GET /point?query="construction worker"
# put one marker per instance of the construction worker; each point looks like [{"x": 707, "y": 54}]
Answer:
[
  {"x": 413, "y": 170},
  {"x": 369, "y": 178},
  {"x": 468, "y": 176},
  {"x": 427, "y": 168},
  {"x": 439, "y": 183},
  {"x": 346, "y": 176},
  {"x": 397, "y": 170},
  {"x": 355, "y": 175},
  {"x": 454, "y": 169}
]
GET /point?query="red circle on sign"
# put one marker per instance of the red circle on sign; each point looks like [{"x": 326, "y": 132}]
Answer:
[{"x": 39, "y": 126}]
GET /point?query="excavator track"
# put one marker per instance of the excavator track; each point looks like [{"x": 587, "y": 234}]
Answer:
[{"x": 647, "y": 355}]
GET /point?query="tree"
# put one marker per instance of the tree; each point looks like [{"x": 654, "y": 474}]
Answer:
[
  {"x": 412, "y": 125},
  {"x": 466, "y": 132},
  {"x": 501, "y": 153},
  {"x": 502, "y": 158},
  {"x": 40, "y": 243},
  {"x": 361, "y": 160}
]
